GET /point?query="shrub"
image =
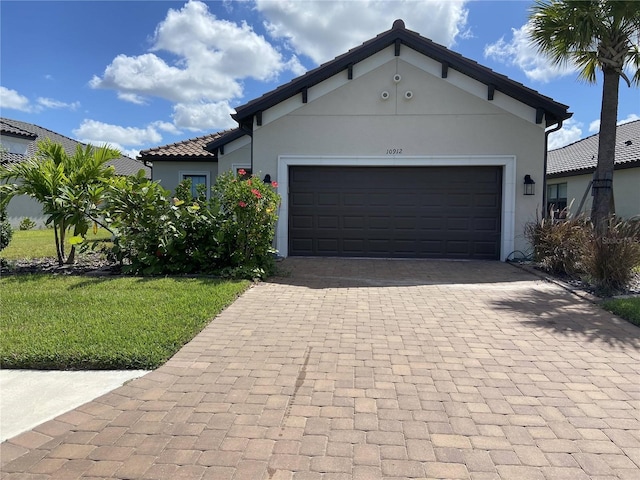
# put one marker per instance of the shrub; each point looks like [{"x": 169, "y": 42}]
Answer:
[
  {"x": 559, "y": 245},
  {"x": 26, "y": 224},
  {"x": 230, "y": 235},
  {"x": 611, "y": 259},
  {"x": 6, "y": 232},
  {"x": 156, "y": 234},
  {"x": 248, "y": 212}
]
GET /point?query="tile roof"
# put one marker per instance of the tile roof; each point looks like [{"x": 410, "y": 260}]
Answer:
[
  {"x": 123, "y": 165},
  {"x": 399, "y": 35},
  {"x": 190, "y": 149},
  {"x": 581, "y": 156}
]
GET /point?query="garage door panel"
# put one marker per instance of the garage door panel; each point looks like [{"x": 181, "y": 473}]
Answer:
[
  {"x": 443, "y": 212},
  {"x": 328, "y": 199},
  {"x": 302, "y": 222}
]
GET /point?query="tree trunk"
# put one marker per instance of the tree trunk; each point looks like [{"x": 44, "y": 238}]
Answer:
[
  {"x": 602, "y": 207},
  {"x": 57, "y": 238}
]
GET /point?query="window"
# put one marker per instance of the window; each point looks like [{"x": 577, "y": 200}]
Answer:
[
  {"x": 247, "y": 170},
  {"x": 557, "y": 199},
  {"x": 197, "y": 178}
]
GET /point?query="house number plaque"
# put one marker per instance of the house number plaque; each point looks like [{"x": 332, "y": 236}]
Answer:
[{"x": 394, "y": 151}]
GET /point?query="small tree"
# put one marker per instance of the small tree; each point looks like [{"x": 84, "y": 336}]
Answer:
[
  {"x": 67, "y": 186},
  {"x": 595, "y": 35}
]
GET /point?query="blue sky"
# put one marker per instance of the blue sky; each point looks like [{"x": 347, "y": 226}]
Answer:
[{"x": 148, "y": 73}]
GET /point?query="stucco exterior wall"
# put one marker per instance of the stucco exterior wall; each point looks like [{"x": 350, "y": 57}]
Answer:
[
  {"x": 237, "y": 154},
  {"x": 170, "y": 173},
  {"x": 351, "y": 119},
  {"x": 22, "y": 206},
  {"x": 626, "y": 191}
]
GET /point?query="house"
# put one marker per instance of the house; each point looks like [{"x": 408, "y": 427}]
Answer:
[
  {"x": 19, "y": 141},
  {"x": 570, "y": 171},
  {"x": 398, "y": 148}
]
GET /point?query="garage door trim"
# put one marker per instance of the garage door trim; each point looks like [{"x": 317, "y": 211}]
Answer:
[{"x": 508, "y": 162}]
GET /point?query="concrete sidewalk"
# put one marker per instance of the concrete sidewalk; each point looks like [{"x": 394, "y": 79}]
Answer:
[
  {"x": 370, "y": 370},
  {"x": 31, "y": 397}
]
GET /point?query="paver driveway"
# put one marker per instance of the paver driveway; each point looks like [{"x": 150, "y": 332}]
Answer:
[{"x": 367, "y": 369}]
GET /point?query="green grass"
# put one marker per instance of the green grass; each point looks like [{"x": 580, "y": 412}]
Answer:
[
  {"x": 31, "y": 244},
  {"x": 75, "y": 322},
  {"x": 627, "y": 308}
]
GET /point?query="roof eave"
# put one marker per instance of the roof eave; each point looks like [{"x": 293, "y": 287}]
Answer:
[{"x": 554, "y": 111}]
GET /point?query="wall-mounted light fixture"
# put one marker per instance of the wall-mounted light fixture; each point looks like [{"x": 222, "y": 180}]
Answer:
[
  {"x": 267, "y": 179},
  {"x": 529, "y": 185}
]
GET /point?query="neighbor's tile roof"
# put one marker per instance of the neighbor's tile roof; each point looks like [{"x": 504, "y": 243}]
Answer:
[
  {"x": 582, "y": 156},
  {"x": 191, "y": 149},
  {"x": 123, "y": 165}
]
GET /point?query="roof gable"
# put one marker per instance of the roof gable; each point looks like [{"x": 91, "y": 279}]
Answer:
[
  {"x": 552, "y": 111},
  {"x": 581, "y": 157}
]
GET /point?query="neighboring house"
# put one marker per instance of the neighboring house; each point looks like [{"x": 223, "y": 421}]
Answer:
[
  {"x": 570, "y": 171},
  {"x": 19, "y": 141},
  {"x": 397, "y": 148}
]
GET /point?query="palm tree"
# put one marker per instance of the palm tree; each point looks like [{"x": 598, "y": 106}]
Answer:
[
  {"x": 595, "y": 35},
  {"x": 66, "y": 186}
]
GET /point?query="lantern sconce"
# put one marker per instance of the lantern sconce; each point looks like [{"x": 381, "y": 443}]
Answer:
[
  {"x": 267, "y": 179},
  {"x": 529, "y": 185}
]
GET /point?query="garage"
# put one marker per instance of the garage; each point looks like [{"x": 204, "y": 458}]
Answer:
[{"x": 395, "y": 212}]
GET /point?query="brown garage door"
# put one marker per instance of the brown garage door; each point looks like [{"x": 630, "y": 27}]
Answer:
[{"x": 430, "y": 212}]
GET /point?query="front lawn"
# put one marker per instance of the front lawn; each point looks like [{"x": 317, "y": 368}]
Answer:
[
  {"x": 76, "y": 322},
  {"x": 29, "y": 244},
  {"x": 627, "y": 308}
]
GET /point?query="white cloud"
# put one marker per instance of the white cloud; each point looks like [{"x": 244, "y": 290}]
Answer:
[
  {"x": 570, "y": 132},
  {"x": 166, "y": 127},
  {"x": 213, "y": 55},
  {"x": 131, "y": 98},
  {"x": 207, "y": 116},
  {"x": 594, "y": 127},
  {"x": 521, "y": 53},
  {"x": 632, "y": 117},
  {"x": 51, "y": 103},
  {"x": 98, "y": 133},
  {"x": 321, "y": 30},
  {"x": 11, "y": 99}
]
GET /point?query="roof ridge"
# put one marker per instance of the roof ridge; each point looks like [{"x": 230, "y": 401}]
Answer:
[{"x": 594, "y": 135}]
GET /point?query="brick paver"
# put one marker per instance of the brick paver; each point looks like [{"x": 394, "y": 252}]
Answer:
[{"x": 367, "y": 369}]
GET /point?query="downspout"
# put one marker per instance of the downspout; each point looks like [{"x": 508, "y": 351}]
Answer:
[
  {"x": 249, "y": 131},
  {"x": 544, "y": 175}
]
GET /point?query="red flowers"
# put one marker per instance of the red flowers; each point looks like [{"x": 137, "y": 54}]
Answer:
[
  {"x": 242, "y": 172},
  {"x": 256, "y": 192},
  {"x": 274, "y": 184},
  {"x": 242, "y": 204}
]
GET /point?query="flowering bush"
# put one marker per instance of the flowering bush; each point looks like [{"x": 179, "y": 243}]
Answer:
[
  {"x": 231, "y": 234},
  {"x": 157, "y": 234},
  {"x": 248, "y": 213}
]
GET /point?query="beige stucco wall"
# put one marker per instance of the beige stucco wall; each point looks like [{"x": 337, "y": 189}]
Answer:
[
  {"x": 170, "y": 173},
  {"x": 626, "y": 191},
  {"x": 439, "y": 120},
  {"x": 237, "y": 154},
  {"x": 22, "y": 206}
]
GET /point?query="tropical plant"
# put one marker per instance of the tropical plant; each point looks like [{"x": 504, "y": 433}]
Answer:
[
  {"x": 157, "y": 234},
  {"x": 249, "y": 211},
  {"x": 67, "y": 186},
  {"x": 595, "y": 35},
  {"x": 6, "y": 232}
]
